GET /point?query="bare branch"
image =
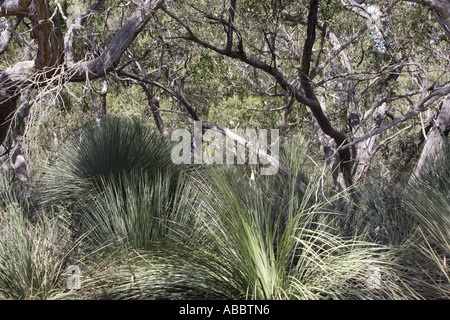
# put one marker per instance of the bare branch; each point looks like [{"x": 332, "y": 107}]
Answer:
[
  {"x": 420, "y": 106},
  {"x": 351, "y": 40},
  {"x": 124, "y": 37},
  {"x": 77, "y": 24}
]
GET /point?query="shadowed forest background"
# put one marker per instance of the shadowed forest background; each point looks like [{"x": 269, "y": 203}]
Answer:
[{"x": 92, "y": 206}]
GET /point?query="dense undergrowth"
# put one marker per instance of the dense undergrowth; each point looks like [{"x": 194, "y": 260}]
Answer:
[{"x": 139, "y": 227}]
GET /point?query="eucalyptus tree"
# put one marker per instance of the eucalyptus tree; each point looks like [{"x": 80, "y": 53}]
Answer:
[
  {"x": 56, "y": 59},
  {"x": 365, "y": 73},
  {"x": 360, "y": 72}
]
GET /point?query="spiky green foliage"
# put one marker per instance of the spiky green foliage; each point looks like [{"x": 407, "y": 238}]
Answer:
[
  {"x": 294, "y": 156},
  {"x": 162, "y": 232},
  {"x": 428, "y": 200},
  {"x": 121, "y": 181},
  {"x": 139, "y": 211},
  {"x": 253, "y": 240},
  {"x": 414, "y": 220},
  {"x": 34, "y": 253},
  {"x": 106, "y": 153},
  {"x": 377, "y": 212}
]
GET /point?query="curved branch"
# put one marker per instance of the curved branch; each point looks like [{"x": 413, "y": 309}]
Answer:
[
  {"x": 420, "y": 106},
  {"x": 51, "y": 49},
  {"x": 77, "y": 24},
  {"x": 122, "y": 40},
  {"x": 212, "y": 126}
]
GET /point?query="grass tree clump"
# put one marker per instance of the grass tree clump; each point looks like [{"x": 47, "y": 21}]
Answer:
[
  {"x": 377, "y": 213},
  {"x": 105, "y": 154},
  {"x": 426, "y": 256},
  {"x": 413, "y": 219},
  {"x": 34, "y": 251},
  {"x": 139, "y": 211},
  {"x": 255, "y": 240},
  {"x": 120, "y": 181},
  {"x": 159, "y": 231}
]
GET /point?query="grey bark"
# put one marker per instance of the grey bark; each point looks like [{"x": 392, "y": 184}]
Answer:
[
  {"x": 434, "y": 143},
  {"x": 52, "y": 48},
  {"x": 412, "y": 151},
  {"x": 15, "y": 159},
  {"x": 440, "y": 10},
  {"x": 154, "y": 107},
  {"x": 103, "y": 93}
]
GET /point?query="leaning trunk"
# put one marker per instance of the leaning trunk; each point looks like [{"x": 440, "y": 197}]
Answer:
[
  {"x": 434, "y": 143},
  {"x": 53, "y": 52}
]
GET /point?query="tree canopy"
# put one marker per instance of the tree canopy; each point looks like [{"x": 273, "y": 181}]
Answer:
[{"x": 355, "y": 77}]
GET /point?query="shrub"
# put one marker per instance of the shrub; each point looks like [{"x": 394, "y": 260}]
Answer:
[{"x": 119, "y": 181}]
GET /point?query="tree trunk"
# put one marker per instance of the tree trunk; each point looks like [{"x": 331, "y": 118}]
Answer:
[
  {"x": 365, "y": 149},
  {"x": 441, "y": 11},
  {"x": 52, "y": 49},
  {"x": 154, "y": 108},
  {"x": 434, "y": 143},
  {"x": 12, "y": 81}
]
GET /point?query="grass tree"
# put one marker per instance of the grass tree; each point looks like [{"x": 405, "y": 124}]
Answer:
[
  {"x": 428, "y": 200},
  {"x": 34, "y": 251},
  {"x": 119, "y": 181},
  {"x": 260, "y": 240}
]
